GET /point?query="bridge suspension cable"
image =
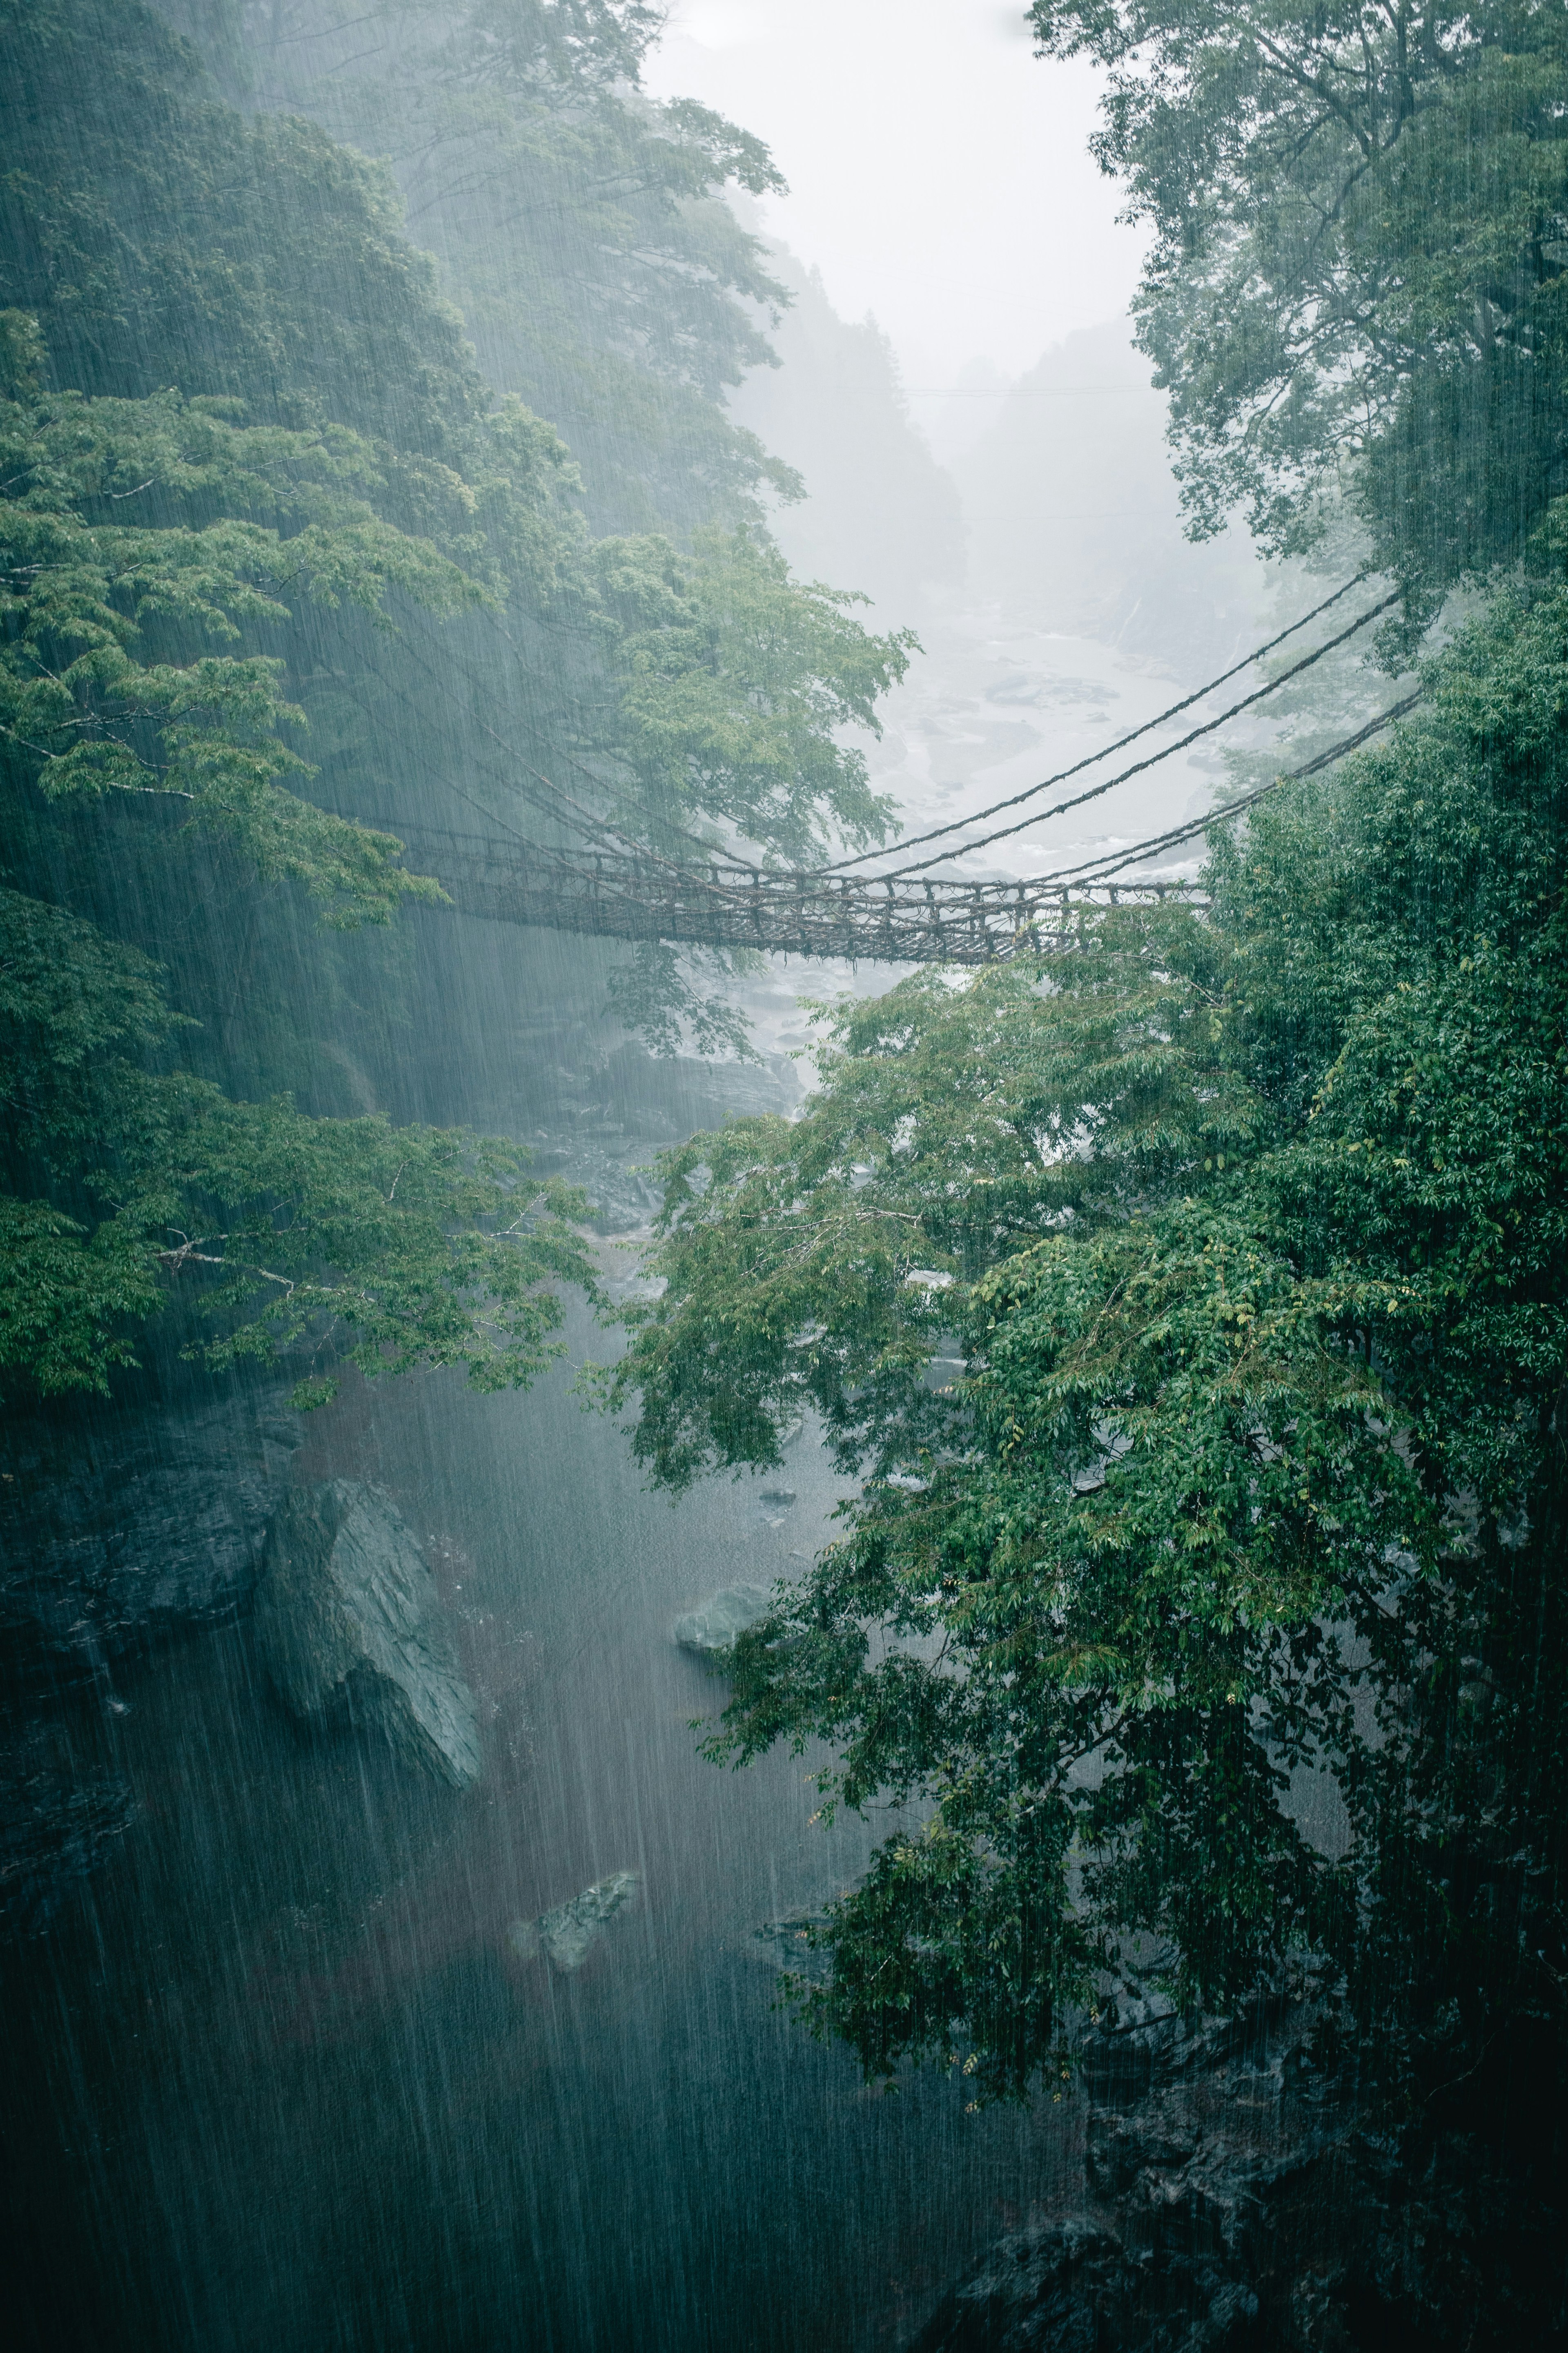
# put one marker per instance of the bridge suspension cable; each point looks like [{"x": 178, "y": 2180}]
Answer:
[
  {"x": 1151, "y": 760},
  {"x": 875, "y": 918},
  {"x": 1108, "y": 750},
  {"x": 608, "y": 884},
  {"x": 601, "y": 834},
  {"x": 1101, "y": 869}
]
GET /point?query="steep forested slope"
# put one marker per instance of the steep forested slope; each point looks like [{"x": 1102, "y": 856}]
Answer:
[
  {"x": 578, "y": 223},
  {"x": 1243, "y": 1513},
  {"x": 284, "y": 569},
  {"x": 879, "y": 510}
]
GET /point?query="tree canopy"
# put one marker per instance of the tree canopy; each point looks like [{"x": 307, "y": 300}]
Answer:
[
  {"x": 1192, "y": 1309},
  {"x": 1357, "y": 282},
  {"x": 578, "y": 222},
  {"x": 1239, "y": 1238},
  {"x": 283, "y": 571},
  {"x": 386, "y": 1246}
]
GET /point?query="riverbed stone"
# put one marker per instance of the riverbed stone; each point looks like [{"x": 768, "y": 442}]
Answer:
[
  {"x": 711, "y": 1627},
  {"x": 349, "y": 1626},
  {"x": 567, "y": 1934}
]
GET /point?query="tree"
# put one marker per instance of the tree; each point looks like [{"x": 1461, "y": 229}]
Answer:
[
  {"x": 123, "y": 1186},
  {"x": 161, "y": 237},
  {"x": 267, "y": 270},
  {"x": 109, "y": 682},
  {"x": 279, "y": 572},
  {"x": 246, "y": 282},
  {"x": 731, "y": 687},
  {"x": 1248, "y": 1233},
  {"x": 579, "y": 223},
  {"x": 1357, "y": 281}
]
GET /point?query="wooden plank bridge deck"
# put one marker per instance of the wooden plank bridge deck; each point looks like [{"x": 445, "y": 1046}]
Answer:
[{"x": 721, "y": 904}]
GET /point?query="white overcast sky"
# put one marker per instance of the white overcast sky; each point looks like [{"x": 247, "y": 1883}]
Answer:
[{"x": 939, "y": 173}]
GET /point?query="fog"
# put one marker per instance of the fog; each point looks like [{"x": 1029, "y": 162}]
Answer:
[
  {"x": 434, "y": 2002},
  {"x": 938, "y": 182}
]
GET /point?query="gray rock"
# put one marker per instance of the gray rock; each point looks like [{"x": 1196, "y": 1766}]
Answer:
[
  {"x": 1236, "y": 2196},
  {"x": 349, "y": 1626},
  {"x": 711, "y": 1627},
  {"x": 1063, "y": 2287},
  {"x": 567, "y": 1934},
  {"x": 116, "y": 1526}
]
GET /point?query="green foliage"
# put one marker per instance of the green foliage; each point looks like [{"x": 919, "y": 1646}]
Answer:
[
  {"x": 334, "y": 568},
  {"x": 731, "y": 684},
  {"x": 272, "y": 549},
  {"x": 653, "y": 996},
  {"x": 1358, "y": 275},
  {"x": 107, "y": 684},
  {"x": 577, "y": 222},
  {"x": 343, "y": 1240},
  {"x": 710, "y": 684},
  {"x": 1243, "y": 1239},
  {"x": 811, "y": 1263},
  {"x": 161, "y": 237}
]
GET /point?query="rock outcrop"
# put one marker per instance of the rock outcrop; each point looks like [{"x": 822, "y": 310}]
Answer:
[
  {"x": 349, "y": 1626},
  {"x": 117, "y": 1526},
  {"x": 710, "y": 1628},
  {"x": 567, "y": 1934},
  {"x": 1235, "y": 2198},
  {"x": 54, "y": 1830},
  {"x": 789, "y": 1944}
]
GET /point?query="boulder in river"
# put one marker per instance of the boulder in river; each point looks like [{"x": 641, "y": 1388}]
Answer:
[
  {"x": 350, "y": 1625},
  {"x": 567, "y": 1934},
  {"x": 710, "y": 1628}
]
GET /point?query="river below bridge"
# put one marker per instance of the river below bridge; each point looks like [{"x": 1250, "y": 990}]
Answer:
[
  {"x": 291, "y": 2074},
  {"x": 287, "y": 2079},
  {"x": 996, "y": 702}
]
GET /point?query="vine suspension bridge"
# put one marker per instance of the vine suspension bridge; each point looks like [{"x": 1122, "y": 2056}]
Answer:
[{"x": 614, "y": 888}]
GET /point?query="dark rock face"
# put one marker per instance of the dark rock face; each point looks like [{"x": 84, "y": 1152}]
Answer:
[
  {"x": 348, "y": 1622},
  {"x": 118, "y": 1528},
  {"x": 1235, "y": 2201},
  {"x": 1069, "y": 2286},
  {"x": 53, "y": 1832}
]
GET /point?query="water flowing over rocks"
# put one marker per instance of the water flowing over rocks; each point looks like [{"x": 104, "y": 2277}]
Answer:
[
  {"x": 711, "y": 1627},
  {"x": 116, "y": 1528},
  {"x": 567, "y": 1934},
  {"x": 349, "y": 1624}
]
